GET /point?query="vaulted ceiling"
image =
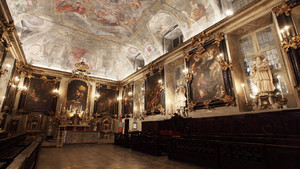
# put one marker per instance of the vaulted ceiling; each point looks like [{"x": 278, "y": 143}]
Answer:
[{"x": 108, "y": 34}]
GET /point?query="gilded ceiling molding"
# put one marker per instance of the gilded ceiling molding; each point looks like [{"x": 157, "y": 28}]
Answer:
[{"x": 283, "y": 8}]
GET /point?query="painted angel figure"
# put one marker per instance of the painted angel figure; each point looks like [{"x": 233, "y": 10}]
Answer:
[{"x": 262, "y": 75}]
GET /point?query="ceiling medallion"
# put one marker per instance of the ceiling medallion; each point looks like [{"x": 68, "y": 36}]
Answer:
[{"x": 81, "y": 70}]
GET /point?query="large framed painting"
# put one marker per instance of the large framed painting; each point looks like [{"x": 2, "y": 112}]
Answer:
[
  {"x": 39, "y": 97},
  {"x": 155, "y": 93},
  {"x": 107, "y": 104},
  {"x": 77, "y": 95},
  {"x": 127, "y": 102},
  {"x": 209, "y": 77}
]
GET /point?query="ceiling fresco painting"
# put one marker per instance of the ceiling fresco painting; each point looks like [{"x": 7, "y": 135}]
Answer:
[
  {"x": 116, "y": 17},
  {"x": 108, "y": 34}
]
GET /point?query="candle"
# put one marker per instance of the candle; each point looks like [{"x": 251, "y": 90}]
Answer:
[
  {"x": 279, "y": 81},
  {"x": 243, "y": 87},
  {"x": 282, "y": 32},
  {"x": 70, "y": 107}
]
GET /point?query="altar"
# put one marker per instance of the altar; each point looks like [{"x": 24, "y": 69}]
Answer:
[{"x": 76, "y": 134}]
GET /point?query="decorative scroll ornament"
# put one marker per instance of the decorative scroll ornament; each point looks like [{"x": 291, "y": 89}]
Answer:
[
  {"x": 219, "y": 38},
  {"x": 56, "y": 80},
  {"x": 81, "y": 70},
  {"x": 283, "y": 8},
  {"x": 206, "y": 104},
  {"x": 29, "y": 76},
  {"x": 191, "y": 106},
  {"x": 199, "y": 41},
  {"x": 162, "y": 87},
  {"x": 294, "y": 43},
  {"x": 151, "y": 69},
  {"x": 160, "y": 69},
  {"x": 188, "y": 77},
  {"x": 224, "y": 65},
  {"x": 44, "y": 78},
  {"x": 229, "y": 100},
  {"x": 161, "y": 109},
  {"x": 6, "y": 30}
]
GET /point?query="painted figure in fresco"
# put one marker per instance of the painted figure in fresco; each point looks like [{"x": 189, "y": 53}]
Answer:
[{"x": 262, "y": 75}]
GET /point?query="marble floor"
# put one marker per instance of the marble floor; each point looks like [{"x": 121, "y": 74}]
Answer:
[{"x": 103, "y": 156}]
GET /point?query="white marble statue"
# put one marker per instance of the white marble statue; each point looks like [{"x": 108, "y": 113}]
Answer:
[{"x": 262, "y": 75}]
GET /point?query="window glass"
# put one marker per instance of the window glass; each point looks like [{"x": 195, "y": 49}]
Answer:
[
  {"x": 248, "y": 64},
  {"x": 246, "y": 45},
  {"x": 265, "y": 38},
  {"x": 273, "y": 59}
]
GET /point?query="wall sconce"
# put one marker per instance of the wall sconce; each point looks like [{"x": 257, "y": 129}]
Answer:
[
  {"x": 288, "y": 40},
  {"x": 129, "y": 93},
  {"x": 162, "y": 87},
  {"x": 119, "y": 98},
  {"x": 55, "y": 93},
  {"x": 4, "y": 70},
  {"x": 23, "y": 89},
  {"x": 97, "y": 96},
  {"x": 185, "y": 71},
  {"x": 15, "y": 82}
]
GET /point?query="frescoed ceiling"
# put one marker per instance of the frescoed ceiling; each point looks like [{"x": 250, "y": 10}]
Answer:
[{"x": 108, "y": 34}]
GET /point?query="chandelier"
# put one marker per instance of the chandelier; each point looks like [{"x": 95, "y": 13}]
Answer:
[{"x": 81, "y": 70}]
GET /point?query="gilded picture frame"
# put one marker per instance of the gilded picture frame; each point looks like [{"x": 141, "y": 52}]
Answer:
[{"x": 209, "y": 77}]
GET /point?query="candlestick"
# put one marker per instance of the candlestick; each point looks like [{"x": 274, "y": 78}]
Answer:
[
  {"x": 243, "y": 87},
  {"x": 279, "y": 81},
  {"x": 282, "y": 32}
]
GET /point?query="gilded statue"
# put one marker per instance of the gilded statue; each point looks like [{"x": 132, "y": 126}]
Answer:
[{"x": 262, "y": 75}]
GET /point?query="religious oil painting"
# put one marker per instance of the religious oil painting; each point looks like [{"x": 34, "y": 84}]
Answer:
[
  {"x": 39, "y": 97},
  {"x": 107, "y": 102},
  {"x": 127, "y": 102},
  {"x": 155, "y": 93},
  {"x": 77, "y": 95},
  {"x": 207, "y": 83}
]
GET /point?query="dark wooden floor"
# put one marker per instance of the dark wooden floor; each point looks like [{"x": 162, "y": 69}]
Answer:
[{"x": 102, "y": 156}]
